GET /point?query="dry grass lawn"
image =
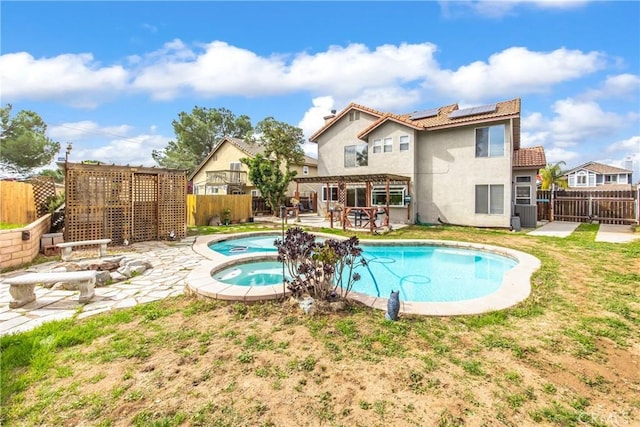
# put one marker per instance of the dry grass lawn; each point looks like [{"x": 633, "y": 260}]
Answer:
[{"x": 569, "y": 355}]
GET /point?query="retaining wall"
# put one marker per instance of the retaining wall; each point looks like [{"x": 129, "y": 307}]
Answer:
[{"x": 21, "y": 245}]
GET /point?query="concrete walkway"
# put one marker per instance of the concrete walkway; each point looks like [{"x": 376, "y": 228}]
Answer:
[
  {"x": 606, "y": 232},
  {"x": 616, "y": 233},
  {"x": 555, "y": 229},
  {"x": 171, "y": 264}
]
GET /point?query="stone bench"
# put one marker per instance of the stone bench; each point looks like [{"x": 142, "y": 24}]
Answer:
[
  {"x": 21, "y": 287},
  {"x": 67, "y": 247}
]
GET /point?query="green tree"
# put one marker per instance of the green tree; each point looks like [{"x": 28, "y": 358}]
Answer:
[
  {"x": 24, "y": 145},
  {"x": 281, "y": 141},
  {"x": 282, "y": 144},
  {"x": 552, "y": 177},
  {"x": 267, "y": 176},
  {"x": 56, "y": 174},
  {"x": 197, "y": 133}
]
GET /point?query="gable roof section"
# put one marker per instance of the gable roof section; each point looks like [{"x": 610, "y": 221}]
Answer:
[
  {"x": 441, "y": 120},
  {"x": 351, "y": 106},
  {"x": 598, "y": 168},
  {"x": 529, "y": 158},
  {"x": 249, "y": 150}
]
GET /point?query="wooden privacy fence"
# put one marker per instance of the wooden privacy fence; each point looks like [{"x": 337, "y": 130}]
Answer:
[
  {"x": 17, "y": 204},
  {"x": 201, "y": 209},
  {"x": 604, "y": 206}
]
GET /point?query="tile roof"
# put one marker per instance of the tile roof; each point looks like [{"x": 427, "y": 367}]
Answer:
[
  {"x": 599, "y": 168},
  {"x": 505, "y": 109},
  {"x": 529, "y": 158},
  {"x": 351, "y": 106}
]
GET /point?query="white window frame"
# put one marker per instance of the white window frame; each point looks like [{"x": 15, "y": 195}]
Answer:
[
  {"x": 492, "y": 149},
  {"x": 493, "y": 192},
  {"x": 255, "y": 193},
  {"x": 404, "y": 142},
  {"x": 397, "y": 194},
  {"x": 354, "y": 115},
  {"x": 387, "y": 145},
  {"x": 377, "y": 146},
  {"x": 581, "y": 179},
  {"x": 333, "y": 190},
  {"x": 523, "y": 199},
  {"x": 305, "y": 170}
]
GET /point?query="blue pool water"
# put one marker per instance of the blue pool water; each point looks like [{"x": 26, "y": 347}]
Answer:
[
  {"x": 245, "y": 245},
  {"x": 420, "y": 272},
  {"x": 254, "y": 273}
]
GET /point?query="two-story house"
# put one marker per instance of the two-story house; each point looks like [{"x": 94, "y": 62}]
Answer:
[
  {"x": 445, "y": 164},
  {"x": 593, "y": 175},
  {"x": 221, "y": 172}
]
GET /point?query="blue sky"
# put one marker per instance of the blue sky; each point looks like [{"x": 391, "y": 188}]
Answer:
[{"x": 110, "y": 77}]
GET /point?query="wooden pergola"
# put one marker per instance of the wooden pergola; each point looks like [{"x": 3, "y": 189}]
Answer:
[{"x": 362, "y": 216}]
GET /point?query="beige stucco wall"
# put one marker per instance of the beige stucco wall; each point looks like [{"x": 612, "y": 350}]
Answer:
[
  {"x": 303, "y": 189},
  {"x": 221, "y": 160},
  {"x": 449, "y": 172},
  {"x": 344, "y": 133}
]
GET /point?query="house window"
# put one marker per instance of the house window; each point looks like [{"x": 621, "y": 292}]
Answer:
[
  {"x": 404, "y": 143},
  {"x": 490, "y": 141},
  {"x": 396, "y": 195},
  {"x": 332, "y": 194},
  {"x": 377, "y": 146},
  {"x": 354, "y": 115},
  {"x": 305, "y": 170},
  {"x": 610, "y": 179},
  {"x": 255, "y": 193},
  {"x": 388, "y": 145},
  {"x": 490, "y": 199},
  {"x": 523, "y": 194},
  {"x": 581, "y": 179},
  {"x": 356, "y": 155},
  {"x": 234, "y": 175},
  {"x": 523, "y": 179}
]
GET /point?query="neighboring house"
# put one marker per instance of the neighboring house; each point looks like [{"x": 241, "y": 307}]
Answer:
[
  {"x": 464, "y": 166},
  {"x": 592, "y": 176},
  {"x": 221, "y": 172}
]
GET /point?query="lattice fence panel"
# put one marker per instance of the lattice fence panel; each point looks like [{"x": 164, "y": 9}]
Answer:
[
  {"x": 118, "y": 202},
  {"x": 172, "y": 201},
  {"x": 44, "y": 188},
  {"x": 145, "y": 207}
]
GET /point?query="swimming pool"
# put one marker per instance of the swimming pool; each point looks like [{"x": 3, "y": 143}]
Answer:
[
  {"x": 469, "y": 278},
  {"x": 420, "y": 272}
]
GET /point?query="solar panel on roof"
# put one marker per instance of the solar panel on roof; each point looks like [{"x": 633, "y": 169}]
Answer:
[
  {"x": 424, "y": 114},
  {"x": 490, "y": 108}
]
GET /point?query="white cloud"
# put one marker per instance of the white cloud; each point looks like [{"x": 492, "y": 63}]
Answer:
[
  {"x": 518, "y": 70},
  {"x": 117, "y": 144},
  {"x": 574, "y": 128},
  {"x": 85, "y": 130},
  {"x": 623, "y": 86},
  {"x": 134, "y": 151},
  {"x": 558, "y": 154},
  {"x": 631, "y": 144},
  {"x": 313, "y": 118},
  {"x": 499, "y": 9},
  {"x": 583, "y": 122},
  {"x": 387, "y": 77},
  {"x": 74, "y": 79}
]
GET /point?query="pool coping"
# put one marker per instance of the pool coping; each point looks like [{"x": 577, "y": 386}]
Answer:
[{"x": 515, "y": 288}]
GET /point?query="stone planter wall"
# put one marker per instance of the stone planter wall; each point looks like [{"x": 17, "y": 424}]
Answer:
[{"x": 21, "y": 245}]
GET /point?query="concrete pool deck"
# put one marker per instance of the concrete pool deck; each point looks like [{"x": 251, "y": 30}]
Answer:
[{"x": 516, "y": 285}]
